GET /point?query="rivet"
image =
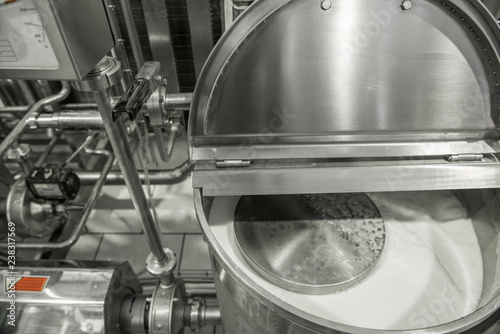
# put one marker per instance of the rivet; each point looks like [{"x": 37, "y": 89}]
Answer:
[
  {"x": 326, "y": 4},
  {"x": 406, "y": 5}
]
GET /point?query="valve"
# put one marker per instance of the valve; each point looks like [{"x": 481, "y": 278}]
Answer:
[{"x": 144, "y": 84}]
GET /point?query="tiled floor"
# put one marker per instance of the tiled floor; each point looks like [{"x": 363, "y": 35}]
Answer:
[{"x": 113, "y": 231}]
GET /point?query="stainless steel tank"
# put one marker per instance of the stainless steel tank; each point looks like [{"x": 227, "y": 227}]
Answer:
[{"x": 342, "y": 96}]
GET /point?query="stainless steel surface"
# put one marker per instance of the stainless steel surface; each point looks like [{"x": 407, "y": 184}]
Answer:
[
  {"x": 313, "y": 177},
  {"x": 87, "y": 210},
  {"x": 164, "y": 269},
  {"x": 312, "y": 244},
  {"x": 78, "y": 44},
  {"x": 155, "y": 12},
  {"x": 118, "y": 51},
  {"x": 249, "y": 308},
  {"x": 68, "y": 119},
  {"x": 27, "y": 213},
  {"x": 33, "y": 112},
  {"x": 157, "y": 112},
  {"x": 292, "y": 73},
  {"x": 166, "y": 314},
  {"x": 401, "y": 147},
  {"x": 23, "y": 109},
  {"x": 106, "y": 73},
  {"x": 155, "y": 177},
  {"x": 211, "y": 316},
  {"x": 80, "y": 297},
  {"x": 121, "y": 148},
  {"x": 179, "y": 102}
]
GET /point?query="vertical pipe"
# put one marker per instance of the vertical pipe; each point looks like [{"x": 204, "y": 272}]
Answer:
[{"x": 118, "y": 139}]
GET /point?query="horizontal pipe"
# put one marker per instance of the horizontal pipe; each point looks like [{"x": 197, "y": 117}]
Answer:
[
  {"x": 175, "y": 102},
  {"x": 68, "y": 119},
  {"x": 159, "y": 177},
  {"x": 33, "y": 112},
  {"x": 179, "y": 102},
  {"x": 24, "y": 109},
  {"x": 211, "y": 316},
  {"x": 200, "y": 289}
]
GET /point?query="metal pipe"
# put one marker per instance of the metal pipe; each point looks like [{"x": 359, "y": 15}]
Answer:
[
  {"x": 159, "y": 177},
  {"x": 26, "y": 91},
  {"x": 133, "y": 36},
  {"x": 33, "y": 112},
  {"x": 48, "y": 149},
  {"x": 179, "y": 102},
  {"x": 119, "y": 51},
  {"x": 121, "y": 148},
  {"x": 68, "y": 119},
  {"x": 24, "y": 109},
  {"x": 86, "y": 211},
  {"x": 175, "y": 102},
  {"x": 211, "y": 316},
  {"x": 200, "y": 289}
]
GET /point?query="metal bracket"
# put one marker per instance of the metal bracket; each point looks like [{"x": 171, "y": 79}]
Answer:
[
  {"x": 232, "y": 163},
  {"x": 464, "y": 157}
]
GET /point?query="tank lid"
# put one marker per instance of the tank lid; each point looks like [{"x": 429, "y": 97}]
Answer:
[{"x": 343, "y": 79}]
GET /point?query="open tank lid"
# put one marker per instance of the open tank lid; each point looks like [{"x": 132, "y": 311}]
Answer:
[
  {"x": 295, "y": 81},
  {"x": 290, "y": 74}
]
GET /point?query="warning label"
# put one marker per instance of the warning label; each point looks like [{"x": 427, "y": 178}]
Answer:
[{"x": 16, "y": 284}]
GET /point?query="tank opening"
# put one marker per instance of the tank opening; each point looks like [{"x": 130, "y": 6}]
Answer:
[
  {"x": 313, "y": 244},
  {"x": 439, "y": 261}
]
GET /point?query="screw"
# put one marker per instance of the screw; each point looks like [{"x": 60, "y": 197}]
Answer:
[
  {"x": 326, "y": 4},
  {"x": 406, "y": 5}
]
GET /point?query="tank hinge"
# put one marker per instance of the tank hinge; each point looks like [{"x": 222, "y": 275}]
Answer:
[
  {"x": 232, "y": 163},
  {"x": 464, "y": 157}
]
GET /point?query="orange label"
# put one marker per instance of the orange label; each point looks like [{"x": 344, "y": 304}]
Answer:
[{"x": 25, "y": 283}]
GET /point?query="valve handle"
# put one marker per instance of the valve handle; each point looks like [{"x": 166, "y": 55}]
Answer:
[{"x": 145, "y": 82}]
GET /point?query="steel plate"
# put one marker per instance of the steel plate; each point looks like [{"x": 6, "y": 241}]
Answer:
[{"x": 311, "y": 244}]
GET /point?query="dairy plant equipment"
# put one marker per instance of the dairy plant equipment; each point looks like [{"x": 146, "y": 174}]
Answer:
[
  {"x": 343, "y": 156},
  {"x": 305, "y": 105}
]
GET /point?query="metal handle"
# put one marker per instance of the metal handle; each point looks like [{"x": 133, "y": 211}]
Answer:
[{"x": 138, "y": 93}]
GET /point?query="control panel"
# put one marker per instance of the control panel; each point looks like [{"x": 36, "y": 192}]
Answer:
[
  {"x": 52, "y": 39},
  {"x": 23, "y": 39}
]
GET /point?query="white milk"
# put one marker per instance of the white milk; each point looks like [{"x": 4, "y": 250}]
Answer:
[{"x": 430, "y": 273}]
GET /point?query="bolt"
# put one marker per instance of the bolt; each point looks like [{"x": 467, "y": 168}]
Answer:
[
  {"x": 326, "y": 4},
  {"x": 406, "y": 5}
]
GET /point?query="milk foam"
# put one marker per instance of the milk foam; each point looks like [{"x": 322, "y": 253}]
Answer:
[{"x": 430, "y": 272}]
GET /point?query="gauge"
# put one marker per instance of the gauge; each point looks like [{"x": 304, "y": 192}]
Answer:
[{"x": 23, "y": 39}]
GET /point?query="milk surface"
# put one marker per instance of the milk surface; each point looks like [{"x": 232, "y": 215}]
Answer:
[{"x": 430, "y": 271}]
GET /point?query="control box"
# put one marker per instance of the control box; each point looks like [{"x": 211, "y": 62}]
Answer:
[
  {"x": 53, "y": 183},
  {"x": 52, "y": 39}
]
